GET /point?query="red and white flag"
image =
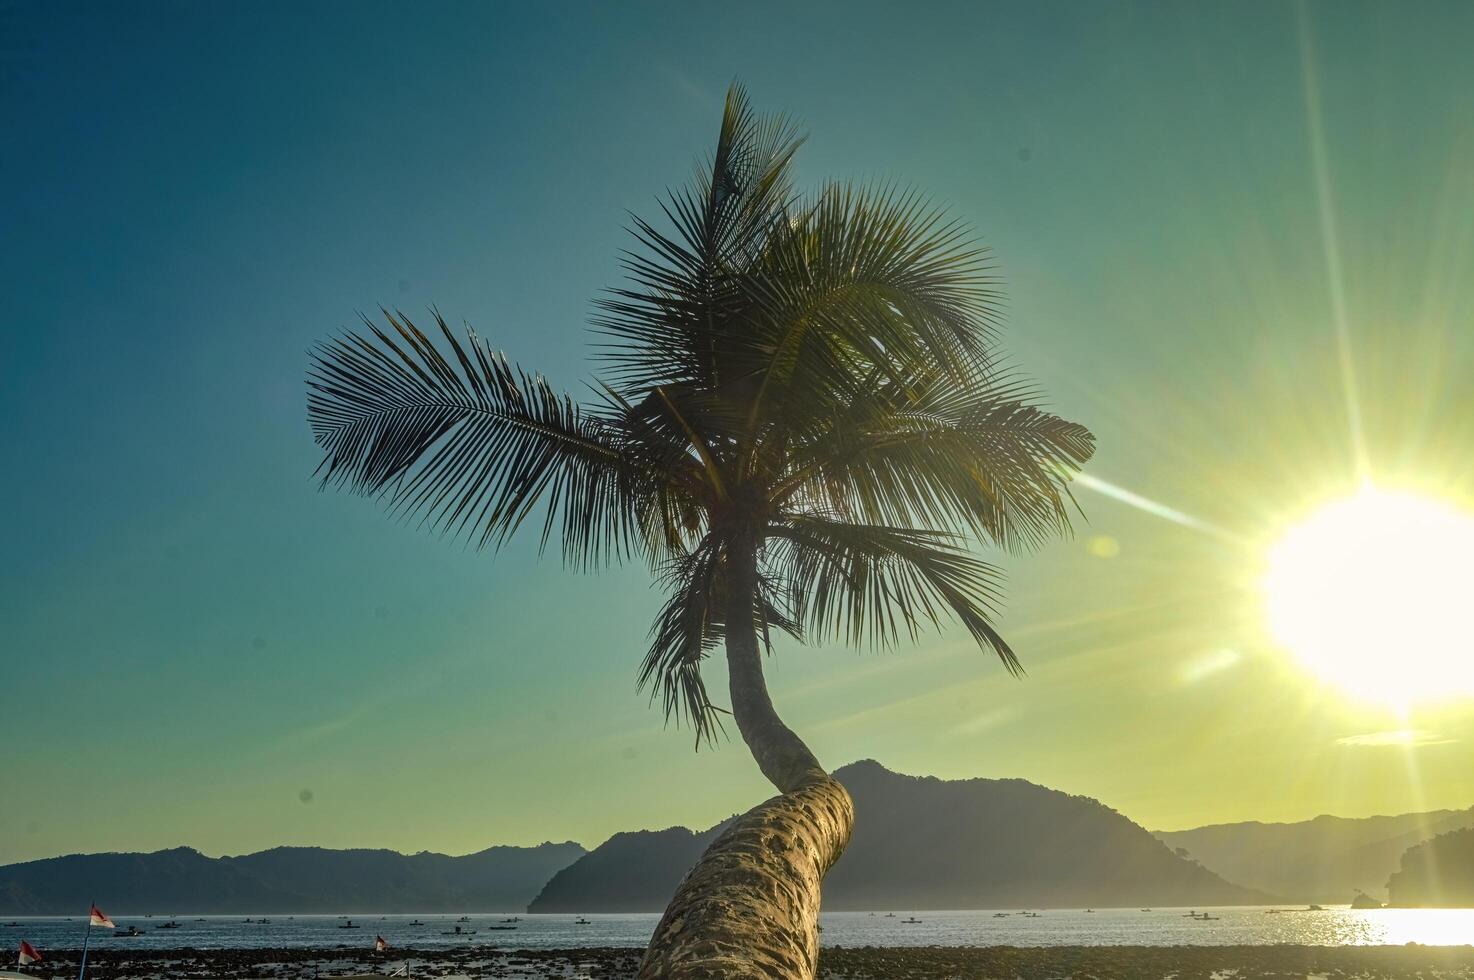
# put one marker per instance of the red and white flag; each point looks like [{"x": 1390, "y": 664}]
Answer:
[
  {"x": 379, "y": 945},
  {"x": 98, "y": 919},
  {"x": 29, "y": 954}
]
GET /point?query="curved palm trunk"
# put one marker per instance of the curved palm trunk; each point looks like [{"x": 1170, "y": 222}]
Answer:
[{"x": 750, "y": 906}]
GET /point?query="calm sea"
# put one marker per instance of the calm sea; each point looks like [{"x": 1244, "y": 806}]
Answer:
[{"x": 1053, "y": 927}]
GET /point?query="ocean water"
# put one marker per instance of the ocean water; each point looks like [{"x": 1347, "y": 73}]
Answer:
[{"x": 1052, "y": 927}]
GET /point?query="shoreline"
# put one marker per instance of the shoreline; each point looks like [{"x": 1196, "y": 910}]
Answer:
[{"x": 835, "y": 962}]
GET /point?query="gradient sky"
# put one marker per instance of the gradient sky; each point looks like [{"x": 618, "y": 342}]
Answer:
[{"x": 196, "y": 647}]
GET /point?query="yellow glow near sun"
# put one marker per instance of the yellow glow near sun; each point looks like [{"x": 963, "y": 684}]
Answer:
[{"x": 1375, "y": 594}]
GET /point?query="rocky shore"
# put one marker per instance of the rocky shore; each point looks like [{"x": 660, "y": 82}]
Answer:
[{"x": 836, "y": 963}]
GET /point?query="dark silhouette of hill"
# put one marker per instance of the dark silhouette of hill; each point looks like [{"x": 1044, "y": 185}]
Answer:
[
  {"x": 922, "y": 842},
  {"x": 634, "y": 870},
  {"x": 1325, "y": 860},
  {"x": 284, "y": 879},
  {"x": 1436, "y": 873},
  {"x": 181, "y": 878}
]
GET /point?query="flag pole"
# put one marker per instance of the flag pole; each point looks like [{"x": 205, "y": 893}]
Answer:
[{"x": 82, "y": 973}]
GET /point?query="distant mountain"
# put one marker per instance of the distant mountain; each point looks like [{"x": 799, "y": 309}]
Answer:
[
  {"x": 1325, "y": 860},
  {"x": 286, "y": 880},
  {"x": 925, "y": 843},
  {"x": 1437, "y": 872},
  {"x": 635, "y": 870},
  {"x": 164, "y": 881}
]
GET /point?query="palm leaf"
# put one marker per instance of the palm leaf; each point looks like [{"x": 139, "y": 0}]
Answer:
[
  {"x": 975, "y": 455},
  {"x": 688, "y": 627},
  {"x": 684, "y": 631},
  {"x": 858, "y": 582},
  {"x": 468, "y": 448},
  {"x": 670, "y": 325}
]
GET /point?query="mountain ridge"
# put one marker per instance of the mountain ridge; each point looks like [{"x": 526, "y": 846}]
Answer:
[
  {"x": 1325, "y": 859},
  {"x": 286, "y": 879},
  {"x": 920, "y": 842},
  {"x": 1436, "y": 873},
  {"x": 1038, "y": 862}
]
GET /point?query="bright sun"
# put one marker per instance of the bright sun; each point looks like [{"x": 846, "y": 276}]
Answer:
[{"x": 1375, "y": 593}]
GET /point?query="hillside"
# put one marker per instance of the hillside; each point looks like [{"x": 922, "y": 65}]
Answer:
[
  {"x": 929, "y": 843},
  {"x": 285, "y": 880},
  {"x": 634, "y": 870},
  {"x": 1436, "y": 873},
  {"x": 1325, "y": 860}
]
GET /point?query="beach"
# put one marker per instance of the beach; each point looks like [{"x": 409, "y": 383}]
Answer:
[{"x": 836, "y": 963}]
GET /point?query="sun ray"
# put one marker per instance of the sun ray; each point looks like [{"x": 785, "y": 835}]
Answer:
[
  {"x": 1154, "y": 508},
  {"x": 1330, "y": 241}
]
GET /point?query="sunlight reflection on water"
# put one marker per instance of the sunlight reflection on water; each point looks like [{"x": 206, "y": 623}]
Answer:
[
  {"x": 1255, "y": 926},
  {"x": 1431, "y": 927}
]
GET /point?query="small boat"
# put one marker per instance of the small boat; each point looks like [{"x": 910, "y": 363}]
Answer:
[
  {"x": 1146, "y": 910},
  {"x": 890, "y": 915},
  {"x": 171, "y": 924},
  {"x": 417, "y": 922},
  {"x": 460, "y": 932},
  {"x": 911, "y": 920},
  {"x": 581, "y": 921},
  {"x": 263, "y": 922},
  {"x": 502, "y": 928},
  {"x": 128, "y": 933},
  {"x": 349, "y": 925},
  {"x": 1000, "y": 915},
  {"x": 1091, "y": 911},
  {"x": 464, "y": 918},
  {"x": 518, "y": 918},
  {"x": 199, "y": 920},
  {"x": 12, "y": 925}
]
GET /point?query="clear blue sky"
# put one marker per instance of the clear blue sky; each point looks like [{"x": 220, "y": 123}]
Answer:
[{"x": 192, "y": 193}]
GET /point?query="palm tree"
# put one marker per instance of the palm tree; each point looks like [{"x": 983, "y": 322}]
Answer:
[{"x": 801, "y": 423}]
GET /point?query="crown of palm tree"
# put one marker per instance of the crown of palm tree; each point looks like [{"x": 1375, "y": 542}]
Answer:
[{"x": 814, "y": 375}]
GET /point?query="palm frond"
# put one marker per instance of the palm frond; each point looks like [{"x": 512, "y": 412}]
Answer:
[
  {"x": 974, "y": 456},
  {"x": 685, "y": 630},
  {"x": 690, "y": 624},
  {"x": 671, "y": 323},
  {"x": 672, "y": 513},
  {"x": 468, "y": 447},
  {"x": 855, "y": 582},
  {"x": 862, "y": 283}
]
